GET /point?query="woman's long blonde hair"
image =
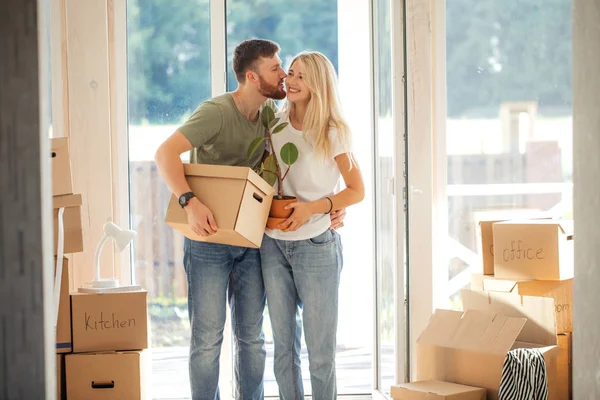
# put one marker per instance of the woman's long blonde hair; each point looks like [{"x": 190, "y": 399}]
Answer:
[{"x": 324, "y": 108}]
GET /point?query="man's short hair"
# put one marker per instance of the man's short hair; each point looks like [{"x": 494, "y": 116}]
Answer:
[{"x": 248, "y": 53}]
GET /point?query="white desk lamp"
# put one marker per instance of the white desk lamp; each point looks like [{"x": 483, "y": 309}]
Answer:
[{"x": 122, "y": 238}]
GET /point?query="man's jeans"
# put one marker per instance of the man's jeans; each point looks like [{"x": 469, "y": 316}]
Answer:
[
  {"x": 214, "y": 272},
  {"x": 303, "y": 274}
]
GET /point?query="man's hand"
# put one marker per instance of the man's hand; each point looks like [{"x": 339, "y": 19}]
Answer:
[
  {"x": 337, "y": 218},
  {"x": 302, "y": 213},
  {"x": 200, "y": 218}
]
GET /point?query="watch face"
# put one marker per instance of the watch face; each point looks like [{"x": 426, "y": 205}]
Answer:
[{"x": 182, "y": 200}]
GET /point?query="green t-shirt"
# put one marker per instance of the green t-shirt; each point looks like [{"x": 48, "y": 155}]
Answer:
[{"x": 221, "y": 134}]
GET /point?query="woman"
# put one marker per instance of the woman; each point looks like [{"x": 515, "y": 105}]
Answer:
[{"x": 302, "y": 261}]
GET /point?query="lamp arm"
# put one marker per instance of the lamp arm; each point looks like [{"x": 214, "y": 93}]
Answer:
[{"x": 97, "y": 256}]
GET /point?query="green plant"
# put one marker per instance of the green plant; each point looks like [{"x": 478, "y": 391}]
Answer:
[{"x": 269, "y": 168}]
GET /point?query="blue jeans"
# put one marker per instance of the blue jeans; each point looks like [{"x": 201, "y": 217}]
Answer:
[
  {"x": 303, "y": 274},
  {"x": 214, "y": 272}
]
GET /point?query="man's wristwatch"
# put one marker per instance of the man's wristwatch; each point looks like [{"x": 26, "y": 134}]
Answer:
[{"x": 185, "y": 198}]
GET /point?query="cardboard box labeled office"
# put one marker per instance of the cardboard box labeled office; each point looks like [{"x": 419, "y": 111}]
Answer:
[
  {"x": 110, "y": 375},
  {"x": 73, "y": 234},
  {"x": 560, "y": 291},
  {"x": 63, "y": 326},
  {"x": 535, "y": 249},
  {"x": 436, "y": 390},
  {"x": 238, "y": 197},
  {"x": 453, "y": 342},
  {"x": 109, "y": 321},
  {"x": 62, "y": 182}
]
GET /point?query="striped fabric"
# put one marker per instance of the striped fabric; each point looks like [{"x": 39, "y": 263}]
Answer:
[{"x": 524, "y": 376}]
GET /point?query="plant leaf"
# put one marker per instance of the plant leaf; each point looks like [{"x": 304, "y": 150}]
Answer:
[
  {"x": 254, "y": 145},
  {"x": 270, "y": 170},
  {"x": 279, "y": 128},
  {"x": 273, "y": 123},
  {"x": 266, "y": 116},
  {"x": 289, "y": 153}
]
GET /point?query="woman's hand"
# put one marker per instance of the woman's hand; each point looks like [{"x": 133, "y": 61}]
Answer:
[{"x": 302, "y": 213}]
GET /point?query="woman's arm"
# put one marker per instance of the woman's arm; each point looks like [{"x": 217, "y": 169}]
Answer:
[{"x": 352, "y": 194}]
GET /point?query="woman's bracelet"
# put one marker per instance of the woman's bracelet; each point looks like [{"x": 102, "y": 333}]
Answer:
[{"x": 330, "y": 205}]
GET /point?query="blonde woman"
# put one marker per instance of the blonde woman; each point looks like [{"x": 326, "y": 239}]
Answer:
[{"x": 302, "y": 261}]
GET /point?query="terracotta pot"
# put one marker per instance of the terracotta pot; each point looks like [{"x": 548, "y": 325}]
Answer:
[
  {"x": 272, "y": 222},
  {"x": 277, "y": 205}
]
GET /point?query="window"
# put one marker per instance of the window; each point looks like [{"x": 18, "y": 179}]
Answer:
[
  {"x": 509, "y": 121},
  {"x": 168, "y": 77},
  {"x": 327, "y": 26}
]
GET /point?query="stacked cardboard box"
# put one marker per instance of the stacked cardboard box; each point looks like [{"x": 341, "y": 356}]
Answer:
[
  {"x": 533, "y": 258},
  {"x": 63, "y": 198},
  {"x": 110, "y": 335}
]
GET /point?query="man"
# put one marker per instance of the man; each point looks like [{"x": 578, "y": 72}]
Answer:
[{"x": 219, "y": 132}]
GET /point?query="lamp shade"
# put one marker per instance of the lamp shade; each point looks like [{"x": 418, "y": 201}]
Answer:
[{"x": 122, "y": 237}]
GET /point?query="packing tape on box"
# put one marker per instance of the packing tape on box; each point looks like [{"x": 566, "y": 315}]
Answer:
[{"x": 60, "y": 248}]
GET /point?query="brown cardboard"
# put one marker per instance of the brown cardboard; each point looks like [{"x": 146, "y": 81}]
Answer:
[
  {"x": 73, "y": 234},
  {"x": 436, "y": 390},
  {"x": 104, "y": 376},
  {"x": 109, "y": 321},
  {"x": 238, "y": 198},
  {"x": 469, "y": 348},
  {"x": 564, "y": 372},
  {"x": 60, "y": 377},
  {"x": 62, "y": 182},
  {"x": 534, "y": 249},
  {"x": 560, "y": 291},
  {"x": 63, "y": 326},
  {"x": 540, "y": 327},
  {"x": 487, "y": 246}
]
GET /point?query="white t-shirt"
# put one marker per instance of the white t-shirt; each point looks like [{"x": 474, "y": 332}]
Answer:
[{"x": 310, "y": 178}]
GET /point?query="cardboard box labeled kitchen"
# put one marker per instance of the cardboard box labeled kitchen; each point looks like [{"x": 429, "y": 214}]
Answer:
[
  {"x": 560, "y": 291},
  {"x": 73, "y": 234},
  {"x": 453, "y": 342},
  {"x": 63, "y": 326},
  {"x": 238, "y": 198},
  {"x": 436, "y": 390},
  {"x": 535, "y": 249},
  {"x": 62, "y": 183},
  {"x": 109, "y": 321},
  {"x": 104, "y": 376}
]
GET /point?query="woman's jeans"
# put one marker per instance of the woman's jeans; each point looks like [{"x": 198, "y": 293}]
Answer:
[
  {"x": 216, "y": 272},
  {"x": 305, "y": 275}
]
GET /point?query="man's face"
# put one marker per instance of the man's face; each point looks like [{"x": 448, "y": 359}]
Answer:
[{"x": 270, "y": 78}]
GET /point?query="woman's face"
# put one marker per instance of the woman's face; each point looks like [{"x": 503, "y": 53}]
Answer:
[{"x": 297, "y": 91}]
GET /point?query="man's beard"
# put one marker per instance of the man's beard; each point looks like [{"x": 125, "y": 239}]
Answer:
[{"x": 270, "y": 91}]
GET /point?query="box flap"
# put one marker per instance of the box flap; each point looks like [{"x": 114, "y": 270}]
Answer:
[
  {"x": 226, "y": 171},
  {"x": 440, "y": 388},
  {"x": 565, "y": 226},
  {"x": 68, "y": 200},
  {"x": 472, "y": 330},
  {"x": 538, "y": 311},
  {"x": 498, "y": 285}
]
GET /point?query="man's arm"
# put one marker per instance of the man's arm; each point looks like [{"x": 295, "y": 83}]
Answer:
[{"x": 170, "y": 166}]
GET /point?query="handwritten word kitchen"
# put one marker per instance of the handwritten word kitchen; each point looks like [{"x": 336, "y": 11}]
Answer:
[{"x": 95, "y": 324}]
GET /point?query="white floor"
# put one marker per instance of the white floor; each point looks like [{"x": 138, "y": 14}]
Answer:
[{"x": 170, "y": 373}]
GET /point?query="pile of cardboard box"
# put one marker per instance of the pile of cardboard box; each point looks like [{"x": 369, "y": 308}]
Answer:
[
  {"x": 534, "y": 258},
  {"x": 523, "y": 300},
  {"x": 100, "y": 338}
]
